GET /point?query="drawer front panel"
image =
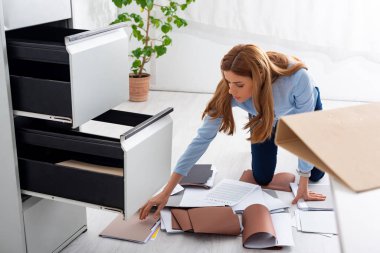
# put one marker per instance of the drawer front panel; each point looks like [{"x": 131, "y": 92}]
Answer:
[
  {"x": 40, "y": 43},
  {"x": 81, "y": 185},
  {"x": 41, "y": 96}
]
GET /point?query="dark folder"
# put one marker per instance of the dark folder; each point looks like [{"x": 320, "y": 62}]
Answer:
[{"x": 198, "y": 175}]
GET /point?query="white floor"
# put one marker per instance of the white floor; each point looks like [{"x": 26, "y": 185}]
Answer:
[{"x": 231, "y": 155}]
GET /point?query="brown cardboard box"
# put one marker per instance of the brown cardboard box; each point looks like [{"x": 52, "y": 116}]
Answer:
[{"x": 343, "y": 142}]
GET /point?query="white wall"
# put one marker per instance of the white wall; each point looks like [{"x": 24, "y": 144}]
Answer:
[
  {"x": 192, "y": 63},
  {"x": 337, "y": 40},
  {"x": 92, "y": 14}
]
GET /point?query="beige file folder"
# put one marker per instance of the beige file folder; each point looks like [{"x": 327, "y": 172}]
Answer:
[
  {"x": 133, "y": 229},
  {"x": 343, "y": 142}
]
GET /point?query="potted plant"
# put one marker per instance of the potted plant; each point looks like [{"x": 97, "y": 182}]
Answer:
[{"x": 157, "y": 19}]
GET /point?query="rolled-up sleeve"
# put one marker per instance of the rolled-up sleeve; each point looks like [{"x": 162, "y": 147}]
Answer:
[{"x": 206, "y": 133}]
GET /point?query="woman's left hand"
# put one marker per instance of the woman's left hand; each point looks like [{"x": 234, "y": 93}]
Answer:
[{"x": 304, "y": 193}]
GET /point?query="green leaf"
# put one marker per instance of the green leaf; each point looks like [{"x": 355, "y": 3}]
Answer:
[
  {"x": 137, "y": 18},
  {"x": 137, "y": 52},
  {"x": 166, "y": 40},
  {"x": 118, "y": 3},
  {"x": 179, "y": 21},
  {"x": 155, "y": 21},
  {"x": 149, "y": 4},
  {"x": 183, "y": 6},
  {"x": 142, "y": 3},
  {"x": 148, "y": 51},
  {"x": 173, "y": 5},
  {"x": 136, "y": 64},
  {"x": 160, "y": 50},
  {"x": 165, "y": 28},
  {"x": 136, "y": 33}
]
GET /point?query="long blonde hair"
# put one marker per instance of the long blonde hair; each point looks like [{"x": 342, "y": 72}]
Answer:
[{"x": 264, "y": 68}]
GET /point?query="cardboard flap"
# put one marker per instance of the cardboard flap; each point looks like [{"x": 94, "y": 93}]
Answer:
[
  {"x": 258, "y": 226},
  {"x": 215, "y": 220},
  {"x": 182, "y": 218},
  {"x": 343, "y": 142}
]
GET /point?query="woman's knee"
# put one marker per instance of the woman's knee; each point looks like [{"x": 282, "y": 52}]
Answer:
[{"x": 262, "y": 179}]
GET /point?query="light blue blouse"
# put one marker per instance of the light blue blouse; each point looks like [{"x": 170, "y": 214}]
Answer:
[{"x": 292, "y": 94}]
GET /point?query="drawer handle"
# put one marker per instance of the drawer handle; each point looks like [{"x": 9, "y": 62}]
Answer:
[
  {"x": 146, "y": 123},
  {"x": 84, "y": 35}
]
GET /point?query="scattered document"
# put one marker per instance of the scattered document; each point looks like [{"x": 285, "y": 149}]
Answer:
[
  {"x": 104, "y": 129},
  {"x": 229, "y": 192},
  {"x": 166, "y": 221},
  {"x": 326, "y": 205},
  {"x": 321, "y": 222},
  {"x": 254, "y": 197},
  {"x": 178, "y": 188},
  {"x": 194, "y": 197},
  {"x": 274, "y": 204},
  {"x": 211, "y": 180}
]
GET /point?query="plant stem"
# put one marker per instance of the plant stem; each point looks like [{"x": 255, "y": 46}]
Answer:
[{"x": 146, "y": 43}]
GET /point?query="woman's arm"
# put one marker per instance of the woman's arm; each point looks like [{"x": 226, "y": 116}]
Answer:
[
  {"x": 160, "y": 199},
  {"x": 206, "y": 133},
  {"x": 304, "y": 193},
  {"x": 304, "y": 101}
]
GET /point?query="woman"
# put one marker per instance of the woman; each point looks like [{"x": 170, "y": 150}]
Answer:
[{"x": 267, "y": 86}]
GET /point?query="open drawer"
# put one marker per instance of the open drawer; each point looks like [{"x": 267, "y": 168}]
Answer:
[
  {"x": 120, "y": 174},
  {"x": 67, "y": 75}
]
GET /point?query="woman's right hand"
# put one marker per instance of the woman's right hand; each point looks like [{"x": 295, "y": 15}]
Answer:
[{"x": 159, "y": 200}]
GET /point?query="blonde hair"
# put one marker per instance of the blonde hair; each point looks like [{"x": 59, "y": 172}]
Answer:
[{"x": 263, "y": 68}]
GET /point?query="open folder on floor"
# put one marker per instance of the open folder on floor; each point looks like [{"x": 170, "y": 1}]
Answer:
[
  {"x": 260, "y": 228},
  {"x": 132, "y": 229},
  {"x": 265, "y": 230}
]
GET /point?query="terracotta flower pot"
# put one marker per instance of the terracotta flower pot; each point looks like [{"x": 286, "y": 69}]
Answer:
[{"x": 138, "y": 87}]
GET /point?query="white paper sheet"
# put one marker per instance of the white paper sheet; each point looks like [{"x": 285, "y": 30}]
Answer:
[
  {"x": 166, "y": 219},
  {"x": 273, "y": 203},
  {"x": 211, "y": 180},
  {"x": 178, "y": 188},
  {"x": 196, "y": 197},
  {"x": 283, "y": 226},
  {"x": 318, "y": 222},
  {"x": 229, "y": 192},
  {"x": 104, "y": 129},
  {"x": 255, "y": 197}
]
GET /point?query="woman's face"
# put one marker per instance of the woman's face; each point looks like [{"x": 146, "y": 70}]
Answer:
[{"x": 240, "y": 86}]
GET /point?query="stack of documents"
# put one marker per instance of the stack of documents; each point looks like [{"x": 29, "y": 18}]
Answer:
[
  {"x": 321, "y": 222},
  {"x": 315, "y": 216}
]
